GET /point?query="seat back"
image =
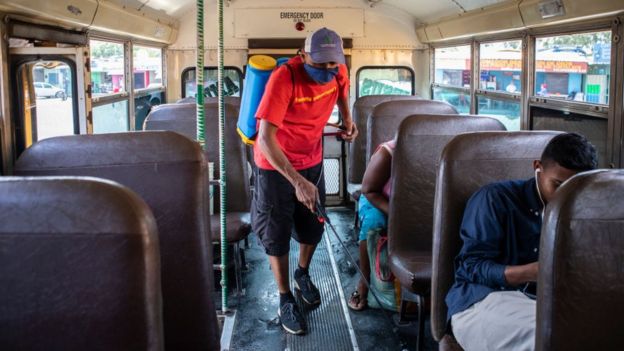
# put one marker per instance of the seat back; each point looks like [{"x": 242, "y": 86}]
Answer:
[
  {"x": 169, "y": 172},
  {"x": 182, "y": 118},
  {"x": 232, "y": 100},
  {"x": 384, "y": 120},
  {"x": 362, "y": 107},
  {"x": 79, "y": 266},
  {"x": 469, "y": 162},
  {"x": 580, "y": 303},
  {"x": 420, "y": 142}
]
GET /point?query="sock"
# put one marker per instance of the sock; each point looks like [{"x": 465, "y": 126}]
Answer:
[
  {"x": 301, "y": 271},
  {"x": 286, "y": 298}
]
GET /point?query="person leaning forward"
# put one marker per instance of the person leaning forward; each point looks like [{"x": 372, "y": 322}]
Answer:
[
  {"x": 491, "y": 305},
  {"x": 297, "y": 103}
]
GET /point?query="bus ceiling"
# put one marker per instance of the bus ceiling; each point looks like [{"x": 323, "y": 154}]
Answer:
[{"x": 160, "y": 21}]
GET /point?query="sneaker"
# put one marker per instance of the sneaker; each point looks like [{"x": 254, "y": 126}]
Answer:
[
  {"x": 292, "y": 320},
  {"x": 308, "y": 291}
]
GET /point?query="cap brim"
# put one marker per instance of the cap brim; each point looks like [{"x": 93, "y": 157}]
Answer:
[{"x": 327, "y": 56}]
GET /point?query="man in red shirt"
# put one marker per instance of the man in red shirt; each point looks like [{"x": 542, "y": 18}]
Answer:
[{"x": 297, "y": 103}]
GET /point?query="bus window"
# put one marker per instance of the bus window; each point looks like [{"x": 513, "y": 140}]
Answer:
[
  {"x": 110, "y": 118},
  {"x": 232, "y": 81},
  {"x": 594, "y": 128},
  {"x": 500, "y": 66},
  {"x": 500, "y": 73},
  {"x": 147, "y": 63},
  {"x": 108, "y": 80},
  {"x": 54, "y": 100},
  {"x": 107, "y": 67},
  {"x": 385, "y": 81},
  {"x": 574, "y": 67},
  {"x": 506, "y": 111},
  {"x": 147, "y": 67},
  {"x": 452, "y": 77}
]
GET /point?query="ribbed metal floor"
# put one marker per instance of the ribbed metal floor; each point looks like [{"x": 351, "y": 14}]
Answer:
[{"x": 329, "y": 325}]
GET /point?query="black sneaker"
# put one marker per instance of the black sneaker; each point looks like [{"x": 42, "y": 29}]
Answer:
[
  {"x": 308, "y": 291},
  {"x": 292, "y": 320}
]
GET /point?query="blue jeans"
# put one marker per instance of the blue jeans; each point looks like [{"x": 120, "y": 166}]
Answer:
[{"x": 370, "y": 217}]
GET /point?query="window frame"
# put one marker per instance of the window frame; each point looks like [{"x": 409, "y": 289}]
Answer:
[
  {"x": 130, "y": 94},
  {"x": 592, "y": 109},
  {"x": 211, "y": 68},
  {"x": 360, "y": 69}
]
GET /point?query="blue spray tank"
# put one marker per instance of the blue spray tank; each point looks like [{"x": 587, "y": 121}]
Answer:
[{"x": 259, "y": 69}]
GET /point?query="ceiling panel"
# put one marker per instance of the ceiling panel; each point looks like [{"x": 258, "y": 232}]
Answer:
[{"x": 424, "y": 11}]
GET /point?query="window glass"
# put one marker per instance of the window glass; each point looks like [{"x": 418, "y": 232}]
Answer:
[
  {"x": 54, "y": 99},
  {"x": 506, "y": 111},
  {"x": 232, "y": 81},
  {"x": 456, "y": 97},
  {"x": 574, "y": 67},
  {"x": 385, "y": 81},
  {"x": 111, "y": 118},
  {"x": 143, "y": 105},
  {"x": 107, "y": 67},
  {"x": 500, "y": 66},
  {"x": 452, "y": 66},
  {"x": 147, "y": 66},
  {"x": 593, "y": 128}
]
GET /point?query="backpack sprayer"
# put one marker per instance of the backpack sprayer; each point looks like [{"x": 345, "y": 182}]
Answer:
[{"x": 323, "y": 218}]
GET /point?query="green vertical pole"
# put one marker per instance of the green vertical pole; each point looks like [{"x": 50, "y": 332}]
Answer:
[
  {"x": 222, "y": 164},
  {"x": 199, "y": 76}
]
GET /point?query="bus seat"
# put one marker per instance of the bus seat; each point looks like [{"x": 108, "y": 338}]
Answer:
[
  {"x": 362, "y": 107},
  {"x": 181, "y": 118},
  {"x": 169, "y": 172},
  {"x": 232, "y": 100},
  {"x": 470, "y": 161},
  {"x": 421, "y": 139},
  {"x": 580, "y": 304},
  {"x": 385, "y": 118},
  {"x": 79, "y": 266}
]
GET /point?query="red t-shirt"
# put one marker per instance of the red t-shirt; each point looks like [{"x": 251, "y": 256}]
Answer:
[{"x": 302, "y": 117}]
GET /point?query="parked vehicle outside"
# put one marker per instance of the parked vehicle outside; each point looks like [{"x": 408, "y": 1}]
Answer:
[{"x": 49, "y": 91}]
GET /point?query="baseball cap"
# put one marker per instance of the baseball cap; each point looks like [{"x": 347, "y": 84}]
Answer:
[{"x": 324, "y": 45}]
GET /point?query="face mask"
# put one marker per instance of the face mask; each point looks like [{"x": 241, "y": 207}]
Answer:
[
  {"x": 321, "y": 75},
  {"x": 539, "y": 193}
]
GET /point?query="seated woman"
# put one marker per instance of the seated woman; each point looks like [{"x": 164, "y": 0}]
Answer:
[{"x": 372, "y": 212}]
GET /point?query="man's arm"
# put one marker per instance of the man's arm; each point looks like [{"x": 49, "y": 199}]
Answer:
[
  {"x": 351, "y": 131},
  {"x": 483, "y": 234},
  {"x": 306, "y": 192},
  {"x": 518, "y": 275}
]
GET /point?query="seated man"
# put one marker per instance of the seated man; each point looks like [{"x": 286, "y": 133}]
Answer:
[{"x": 489, "y": 304}]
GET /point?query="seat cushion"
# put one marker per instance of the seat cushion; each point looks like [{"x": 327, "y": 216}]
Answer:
[
  {"x": 413, "y": 269},
  {"x": 237, "y": 224}
]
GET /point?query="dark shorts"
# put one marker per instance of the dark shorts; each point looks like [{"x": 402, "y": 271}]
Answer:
[{"x": 275, "y": 211}]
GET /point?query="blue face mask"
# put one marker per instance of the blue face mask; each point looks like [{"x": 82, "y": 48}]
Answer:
[{"x": 321, "y": 75}]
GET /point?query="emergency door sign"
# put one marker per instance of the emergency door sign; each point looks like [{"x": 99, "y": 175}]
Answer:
[{"x": 281, "y": 22}]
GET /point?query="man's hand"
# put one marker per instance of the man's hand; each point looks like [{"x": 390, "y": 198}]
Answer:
[
  {"x": 518, "y": 275},
  {"x": 350, "y": 130},
  {"x": 307, "y": 193}
]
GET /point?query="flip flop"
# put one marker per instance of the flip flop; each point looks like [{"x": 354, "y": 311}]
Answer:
[{"x": 356, "y": 302}]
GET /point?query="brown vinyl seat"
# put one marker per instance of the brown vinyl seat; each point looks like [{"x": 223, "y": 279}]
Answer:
[
  {"x": 470, "y": 161},
  {"x": 385, "y": 118},
  {"x": 362, "y": 107},
  {"x": 421, "y": 139},
  {"x": 181, "y": 118},
  {"x": 169, "y": 172},
  {"x": 79, "y": 266},
  {"x": 232, "y": 100},
  {"x": 580, "y": 302}
]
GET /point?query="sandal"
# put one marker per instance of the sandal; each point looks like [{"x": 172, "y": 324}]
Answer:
[{"x": 357, "y": 302}]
